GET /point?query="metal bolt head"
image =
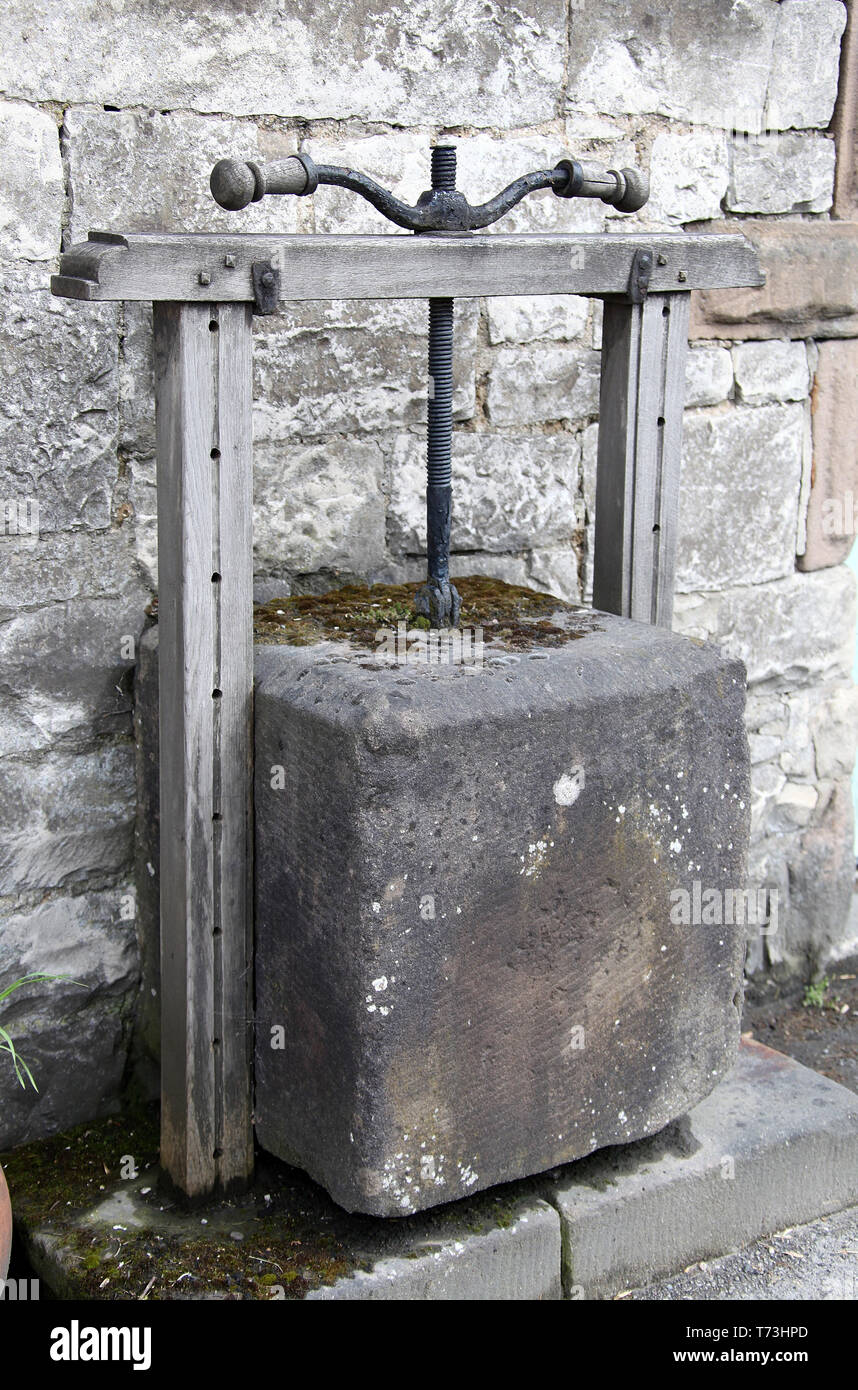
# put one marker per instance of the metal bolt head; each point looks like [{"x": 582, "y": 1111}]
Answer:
[
  {"x": 268, "y": 279},
  {"x": 661, "y": 258},
  {"x": 681, "y": 276},
  {"x": 229, "y": 262},
  {"x": 204, "y": 278}
]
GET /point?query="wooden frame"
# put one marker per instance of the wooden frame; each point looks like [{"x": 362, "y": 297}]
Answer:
[{"x": 201, "y": 289}]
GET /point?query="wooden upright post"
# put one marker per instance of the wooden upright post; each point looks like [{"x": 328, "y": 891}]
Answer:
[
  {"x": 205, "y": 494},
  {"x": 644, "y": 348}
]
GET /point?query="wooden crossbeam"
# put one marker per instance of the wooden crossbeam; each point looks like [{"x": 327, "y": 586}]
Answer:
[{"x": 206, "y": 268}]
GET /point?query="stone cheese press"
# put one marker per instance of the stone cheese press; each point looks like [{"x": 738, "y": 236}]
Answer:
[{"x": 426, "y": 1054}]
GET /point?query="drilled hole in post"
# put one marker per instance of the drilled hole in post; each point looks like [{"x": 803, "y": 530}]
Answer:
[
  {"x": 665, "y": 313},
  {"x": 215, "y": 454},
  {"x": 213, "y": 325},
  {"x": 216, "y": 815},
  {"x": 215, "y": 578},
  {"x": 656, "y": 527},
  {"x": 217, "y": 1153},
  {"x": 660, "y": 421},
  {"x": 216, "y": 694}
]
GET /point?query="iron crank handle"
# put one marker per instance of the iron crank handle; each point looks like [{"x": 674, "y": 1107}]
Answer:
[
  {"x": 235, "y": 184},
  {"x": 625, "y": 189}
]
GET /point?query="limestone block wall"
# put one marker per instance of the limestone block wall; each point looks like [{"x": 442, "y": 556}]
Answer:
[{"x": 111, "y": 116}]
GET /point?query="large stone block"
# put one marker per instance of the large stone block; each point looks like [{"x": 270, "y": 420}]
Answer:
[
  {"x": 805, "y": 63},
  {"x": 705, "y": 63},
  {"x": 319, "y": 507},
  {"x": 811, "y": 288},
  {"x": 510, "y": 492},
  {"x": 708, "y": 375},
  {"x": 72, "y": 1033},
  {"x": 774, "y": 371},
  {"x": 788, "y": 631},
  {"x": 472, "y": 66},
  {"x": 33, "y": 193},
  {"x": 688, "y": 175},
  {"x": 520, "y": 319},
  {"x": 312, "y": 382},
  {"x": 832, "y": 509},
  {"x": 552, "y": 383},
  {"x": 785, "y": 172},
  {"x": 65, "y": 817},
  {"x": 466, "y": 967},
  {"x": 81, "y": 681},
  {"x": 148, "y": 171},
  {"x": 59, "y": 404},
  {"x": 740, "y": 483}
]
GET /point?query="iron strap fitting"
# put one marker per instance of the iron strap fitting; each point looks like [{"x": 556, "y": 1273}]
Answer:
[
  {"x": 265, "y": 278},
  {"x": 640, "y": 275}
]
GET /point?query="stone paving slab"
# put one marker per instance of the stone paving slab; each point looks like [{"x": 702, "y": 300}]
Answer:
[{"x": 775, "y": 1145}]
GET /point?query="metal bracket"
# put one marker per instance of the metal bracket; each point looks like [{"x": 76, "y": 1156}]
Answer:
[
  {"x": 266, "y": 287},
  {"x": 640, "y": 275}
]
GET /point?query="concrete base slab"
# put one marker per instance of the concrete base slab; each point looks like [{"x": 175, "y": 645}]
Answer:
[{"x": 776, "y": 1145}]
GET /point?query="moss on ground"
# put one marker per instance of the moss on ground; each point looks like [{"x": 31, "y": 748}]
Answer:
[{"x": 290, "y": 1243}]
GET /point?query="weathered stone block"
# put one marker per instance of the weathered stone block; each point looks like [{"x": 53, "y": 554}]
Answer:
[
  {"x": 31, "y": 199},
  {"x": 362, "y": 379},
  {"x": 466, "y": 966},
  {"x": 688, "y": 175},
  {"x": 821, "y": 873},
  {"x": 708, "y": 376},
  {"x": 58, "y": 410},
  {"x": 786, "y": 172},
  {"x": 740, "y": 483},
  {"x": 805, "y": 61},
  {"x": 635, "y": 57},
  {"x": 65, "y": 817},
  {"x": 148, "y": 171},
  {"x": 811, "y": 288},
  {"x": 775, "y": 371},
  {"x": 519, "y": 319},
  {"x": 553, "y": 383},
  {"x": 319, "y": 507},
  {"x": 511, "y": 492},
  {"x": 478, "y": 67},
  {"x": 832, "y": 510},
  {"x": 73, "y": 1037},
  {"x": 81, "y": 682},
  {"x": 787, "y": 631}
]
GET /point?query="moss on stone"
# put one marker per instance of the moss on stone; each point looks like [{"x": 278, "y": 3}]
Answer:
[{"x": 511, "y": 616}]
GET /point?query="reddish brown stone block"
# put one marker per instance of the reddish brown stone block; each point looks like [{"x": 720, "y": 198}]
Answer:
[
  {"x": 832, "y": 513},
  {"x": 811, "y": 288}
]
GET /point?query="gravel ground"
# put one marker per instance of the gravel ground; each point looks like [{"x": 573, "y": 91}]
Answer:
[
  {"x": 817, "y": 1261},
  {"x": 814, "y": 1262}
]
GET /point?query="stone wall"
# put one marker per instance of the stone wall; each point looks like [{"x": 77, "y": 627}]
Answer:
[{"x": 111, "y": 116}]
